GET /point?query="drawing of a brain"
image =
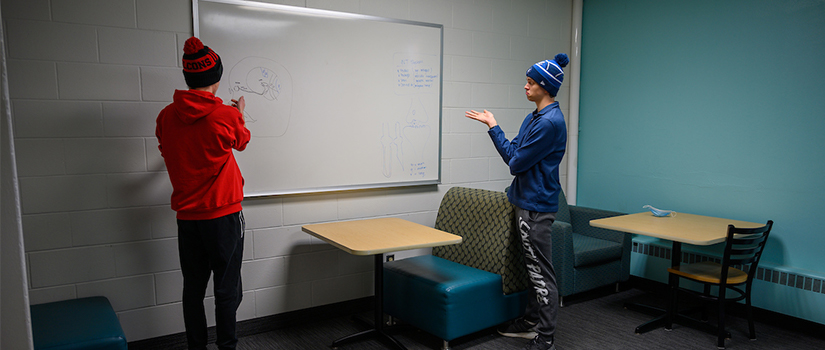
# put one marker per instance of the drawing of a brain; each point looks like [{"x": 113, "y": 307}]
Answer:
[{"x": 267, "y": 88}]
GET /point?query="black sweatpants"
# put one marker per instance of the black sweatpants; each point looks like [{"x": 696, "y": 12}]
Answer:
[
  {"x": 206, "y": 248},
  {"x": 543, "y": 296}
]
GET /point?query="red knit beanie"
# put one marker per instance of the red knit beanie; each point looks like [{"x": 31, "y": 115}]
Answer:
[{"x": 201, "y": 66}]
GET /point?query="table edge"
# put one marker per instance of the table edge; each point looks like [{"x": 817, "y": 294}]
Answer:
[
  {"x": 383, "y": 250},
  {"x": 669, "y": 238}
]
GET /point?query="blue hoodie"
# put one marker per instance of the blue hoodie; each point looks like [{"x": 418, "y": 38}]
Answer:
[{"x": 534, "y": 156}]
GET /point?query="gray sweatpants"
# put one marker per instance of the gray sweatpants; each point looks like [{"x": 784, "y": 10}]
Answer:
[{"x": 543, "y": 296}]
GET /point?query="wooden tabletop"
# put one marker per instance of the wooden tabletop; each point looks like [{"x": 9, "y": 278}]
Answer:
[
  {"x": 378, "y": 236},
  {"x": 685, "y": 228}
]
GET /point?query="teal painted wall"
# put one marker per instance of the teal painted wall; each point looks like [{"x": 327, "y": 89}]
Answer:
[{"x": 709, "y": 107}]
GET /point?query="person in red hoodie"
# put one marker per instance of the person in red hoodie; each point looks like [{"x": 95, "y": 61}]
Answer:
[{"x": 197, "y": 134}]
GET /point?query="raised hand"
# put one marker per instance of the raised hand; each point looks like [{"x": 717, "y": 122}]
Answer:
[{"x": 485, "y": 117}]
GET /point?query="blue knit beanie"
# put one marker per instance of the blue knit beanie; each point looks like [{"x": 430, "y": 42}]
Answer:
[{"x": 549, "y": 73}]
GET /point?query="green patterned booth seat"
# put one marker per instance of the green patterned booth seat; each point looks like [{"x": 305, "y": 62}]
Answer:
[
  {"x": 587, "y": 257},
  {"x": 463, "y": 288}
]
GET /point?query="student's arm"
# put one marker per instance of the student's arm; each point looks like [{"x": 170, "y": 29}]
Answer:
[
  {"x": 537, "y": 144},
  {"x": 506, "y": 149},
  {"x": 241, "y": 133}
]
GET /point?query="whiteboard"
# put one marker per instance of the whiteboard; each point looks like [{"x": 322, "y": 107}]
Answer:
[{"x": 334, "y": 101}]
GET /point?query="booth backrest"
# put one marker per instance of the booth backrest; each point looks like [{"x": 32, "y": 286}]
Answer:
[
  {"x": 563, "y": 214},
  {"x": 486, "y": 222}
]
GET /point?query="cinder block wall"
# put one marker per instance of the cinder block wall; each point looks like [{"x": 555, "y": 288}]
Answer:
[{"x": 87, "y": 79}]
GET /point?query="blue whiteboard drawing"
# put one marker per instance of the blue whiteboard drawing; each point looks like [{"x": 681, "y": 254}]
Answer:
[
  {"x": 405, "y": 147},
  {"x": 391, "y": 143}
]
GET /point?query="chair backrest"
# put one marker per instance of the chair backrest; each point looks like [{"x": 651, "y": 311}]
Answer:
[
  {"x": 743, "y": 249},
  {"x": 490, "y": 241},
  {"x": 563, "y": 214}
]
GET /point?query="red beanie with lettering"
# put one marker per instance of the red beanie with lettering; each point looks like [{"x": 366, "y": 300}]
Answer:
[{"x": 201, "y": 66}]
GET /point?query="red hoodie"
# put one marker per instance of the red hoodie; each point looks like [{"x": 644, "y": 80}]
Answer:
[{"x": 196, "y": 134}]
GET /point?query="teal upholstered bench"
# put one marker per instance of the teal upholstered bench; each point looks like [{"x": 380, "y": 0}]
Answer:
[
  {"x": 85, "y": 323},
  {"x": 467, "y": 287},
  {"x": 445, "y": 298}
]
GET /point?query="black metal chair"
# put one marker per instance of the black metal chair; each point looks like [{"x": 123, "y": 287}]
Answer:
[{"x": 743, "y": 249}]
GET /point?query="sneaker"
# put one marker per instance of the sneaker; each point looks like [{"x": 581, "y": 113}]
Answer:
[
  {"x": 540, "y": 343},
  {"x": 518, "y": 328}
]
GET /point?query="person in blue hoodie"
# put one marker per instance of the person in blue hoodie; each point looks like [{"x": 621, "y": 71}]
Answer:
[{"x": 533, "y": 157}]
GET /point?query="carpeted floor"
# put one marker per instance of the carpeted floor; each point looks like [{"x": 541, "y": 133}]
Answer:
[{"x": 596, "y": 322}]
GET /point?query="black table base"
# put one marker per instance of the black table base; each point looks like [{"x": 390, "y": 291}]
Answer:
[{"x": 378, "y": 329}]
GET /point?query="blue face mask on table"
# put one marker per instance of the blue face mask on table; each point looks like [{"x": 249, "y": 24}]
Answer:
[{"x": 660, "y": 212}]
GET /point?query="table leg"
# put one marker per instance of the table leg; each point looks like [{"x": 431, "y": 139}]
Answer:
[
  {"x": 378, "y": 320},
  {"x": 673, "y": 282},
  {"x": 669, "y": 314}
]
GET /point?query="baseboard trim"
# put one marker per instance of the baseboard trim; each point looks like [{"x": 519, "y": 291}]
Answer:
[{"x": 264, "y": 324}]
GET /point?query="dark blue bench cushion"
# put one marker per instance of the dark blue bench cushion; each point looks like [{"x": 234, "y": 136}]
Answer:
[{"x": 85, "y": 323}]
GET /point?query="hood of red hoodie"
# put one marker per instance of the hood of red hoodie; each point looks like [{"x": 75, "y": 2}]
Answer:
[{"x": 192, "y": 105}]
